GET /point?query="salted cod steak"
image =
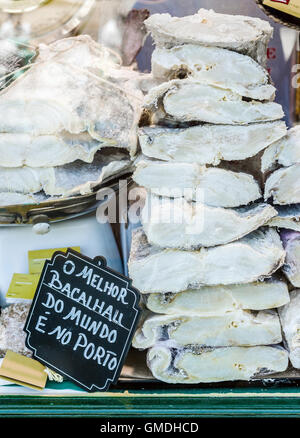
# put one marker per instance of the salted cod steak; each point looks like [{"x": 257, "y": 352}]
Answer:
[
  {"x": 218, "y": 300},
  {"x": 12, "y": 336},
  {"x": 246, "y": 35},
  {"x": 288, "y": 216},
  {"x": 239, "y": 328},
  {"x": 283, "y": 185},
  {"x": 283, "y": 152},
  {"x": 254, "y": 257},
  {"x": 75, "y": 87},
  {"x": 67, "y": 180},
  {"x": 291, "y": 267},
  {"x": 208, "y": 144},
  {"x": 196, "y": 365},
  {"x": 213, "y": 186},
  {"x": 290, "y": 321},
  {"x": 213, "y": 66},
  {"x": 176, "y": 223},
  {"x": 187, "y": 100}
]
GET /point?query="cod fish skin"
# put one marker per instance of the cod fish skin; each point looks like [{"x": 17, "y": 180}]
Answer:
[
  {"x": 209, "y": 144},
  {"x": 67, "y": 180},
  {"x": 284, "y": 152},
  {"x": 187, "y": 100},
  {"x": 213, "y": 66},
  {"x": 17, "y": 150},
  {"x": 155, "y": 270},
  {"x": 12, "y": 336},
  {"x": 204, "y": 365},
  {"x": 218, "y": 300},
  {"x": 176, "y": 223},
  {"x": 239, "y": 328},
  {"x": 283, "y": 185},
  {"x": 215, "y": 186},
  {"x": 73, "y": 86},
  {"x": 291, "y": 267},
  {"x": 288, "y": 216},
  {"x": 246, "y": 35},
  {"x": 290, "y": 321}
]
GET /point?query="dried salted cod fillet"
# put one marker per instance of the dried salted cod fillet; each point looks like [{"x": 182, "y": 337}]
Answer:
[
  {"x": 170, "y": 223},
  {"x": 284, "y": 152},
  {"x": 239, "y": 328},
  {"x": 239, "y": 33},
  {"x": 12, "y": 336},
  {"x": 212, "y": 65},
  {"x": 291, "y": 267},
  {"x": 290, "y": 321},
  {"x": 187, "y": 100},
  {"x": 215, "y": 364},
  {"x": 218, "y": 300},
  {"x": 288, "y": 216},
  {"x": 71, "y": 87},
  {"x": 216, "y": 187},
  {"x": 67, "y": 180},
  {"x": 254, "y": 257},
  {"x": 283, "y": 185},
  {"x": 18, "y": 150},
  {"x": 209, "y": 144}
]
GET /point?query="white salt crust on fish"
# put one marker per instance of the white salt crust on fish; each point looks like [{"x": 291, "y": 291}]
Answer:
[
  {"x": 290, "y": 321},
  {"x": 176, "y": 223},
  {"x": 215, "y": 186},
  {"x": 213, "y": 66},
  {"x": 155, "y": 270},
  {"x": 187, "y": 100},
  {"x": 18, "y": 150},
  {"x": 74, "y": 86},
  {"x": 246, "y": 35},
  {"x": 203, "y": 365},
  {"x": 284, "y": 152},
  {"x": 218, "y": 300},
  {"x": 209, "y": 144},
  {"x": 238, "y": 328},
  {"x": 67, "y": 180},
  {"x": 283, "y": 185}
]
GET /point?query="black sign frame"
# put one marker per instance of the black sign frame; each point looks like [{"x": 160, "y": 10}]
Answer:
[{"x": 32, "y": 342}]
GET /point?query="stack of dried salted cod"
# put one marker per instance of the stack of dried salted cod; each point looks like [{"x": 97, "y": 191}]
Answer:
[
  {"x": 67, "y": 123},
  {"x": 283, "y": 185},
  {"x": 200, "y": 260}
]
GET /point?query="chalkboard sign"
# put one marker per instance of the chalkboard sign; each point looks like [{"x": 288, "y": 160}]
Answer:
[{"x": 82, "y": 319}]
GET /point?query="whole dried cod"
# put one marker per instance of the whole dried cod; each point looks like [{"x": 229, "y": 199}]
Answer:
[
  {"x": 67, "y": 180},
  {"x": 218, "y": 300},
  {"x": 284, "y": 152},
  {"x": 239, "y": 328},
  {"x": 213, "y": 66},
  {"x": 255, "y": 256},
  {"x": 288, "y": 216},
  {"x": 291, "y": 267},
  {"x": 215, "y": 186},
  {"x": 74, "y": 86},
  {"x": 12, "y": 336},
  {"x": 187, "y": 100},
  {"x": 209, "y": 144},
  {"x": 176, "y": 223},
  {"x": 283, "y": 185},
  {"x": 239, "y": 33},
  {"x": 187, "y": 365},
  {"x": 290, "y": 321}
]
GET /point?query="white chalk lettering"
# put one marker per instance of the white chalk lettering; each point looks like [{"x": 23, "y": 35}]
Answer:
[{"x": 40, "y": 324}]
